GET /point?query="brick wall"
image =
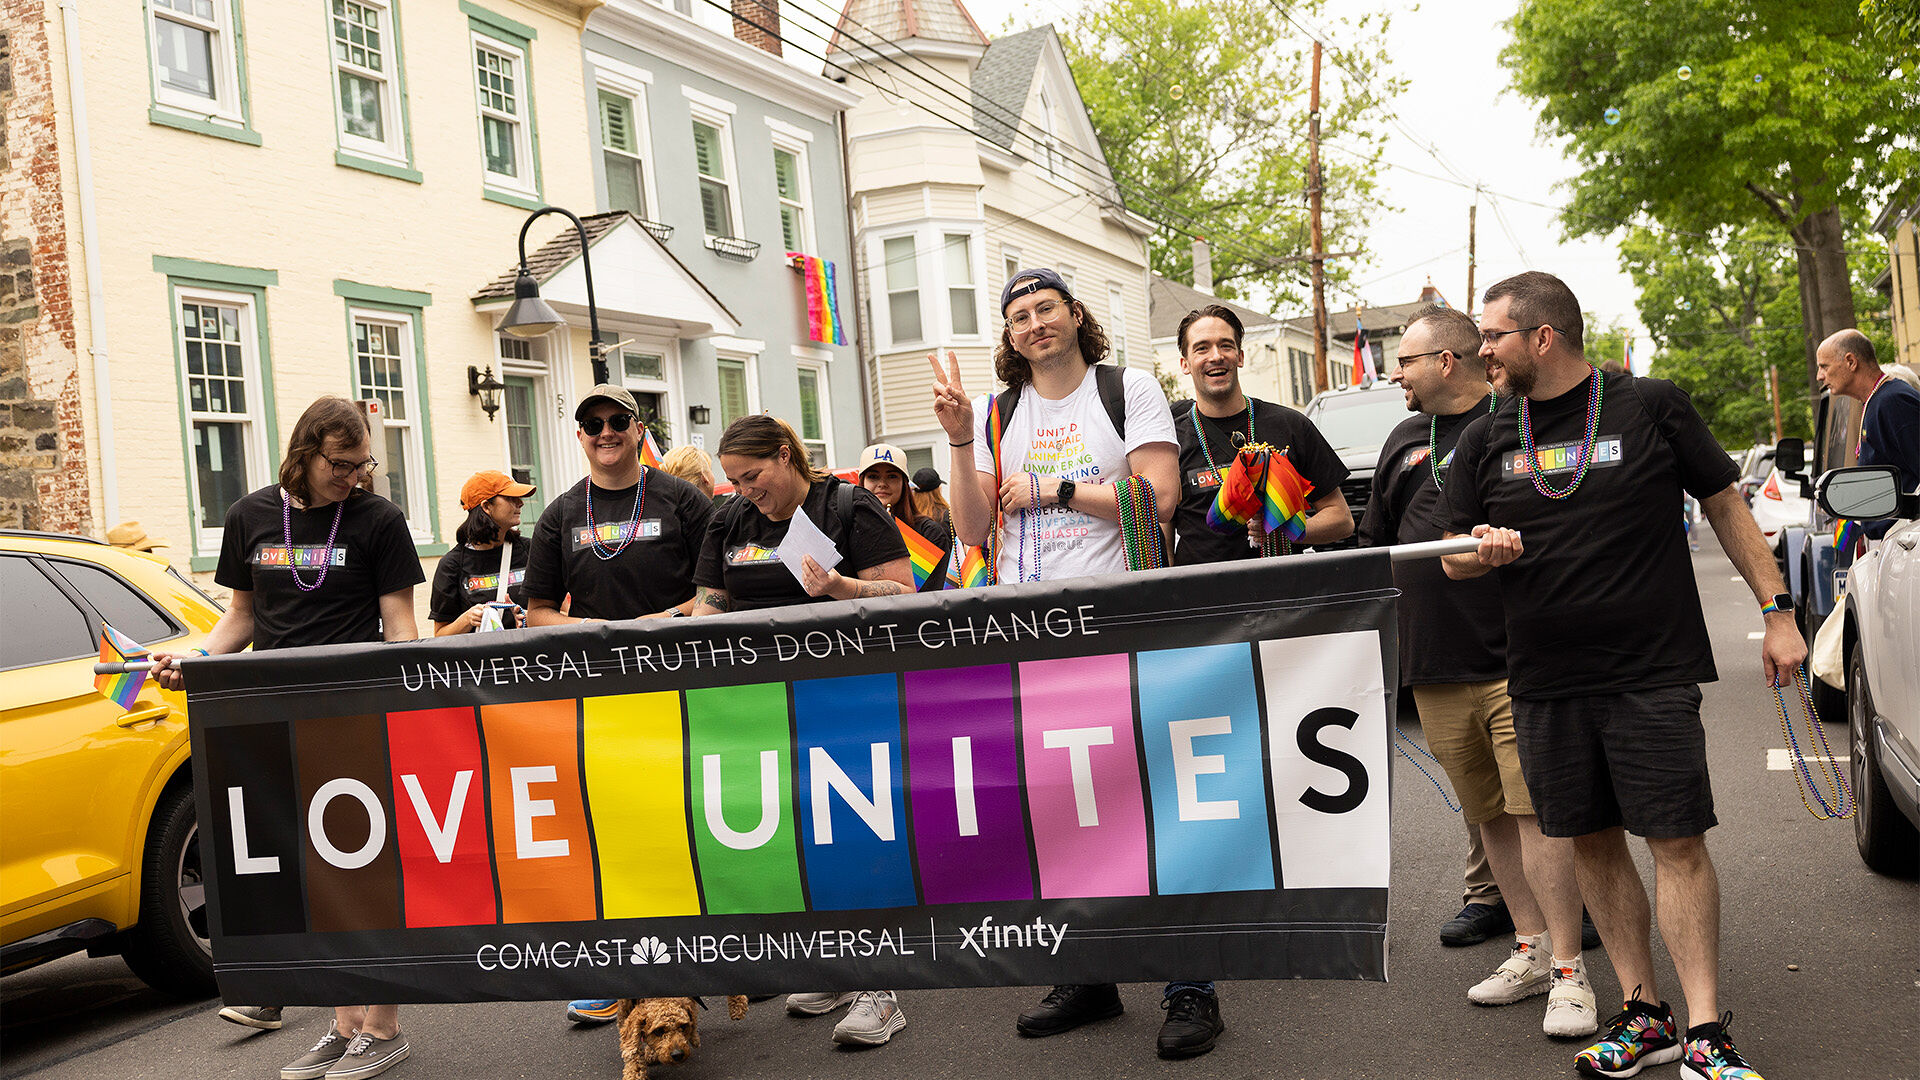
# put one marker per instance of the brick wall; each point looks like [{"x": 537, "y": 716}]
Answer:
[
  {"x": 43, "y": 462},
  {"x": 766, "y": 13}
]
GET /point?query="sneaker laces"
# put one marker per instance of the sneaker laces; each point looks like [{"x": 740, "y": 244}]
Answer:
[
  {"x": 869, "y": 998},
  {"x": 1721, "y": 1044},
  {"x": 1059, "y": 995},
  {"x": 1629, "y": 1008},
  {"x": 1183, "y": 1005},
  {"x": 326, "y": 1040},
  {"x": 361, "y": 1040}
]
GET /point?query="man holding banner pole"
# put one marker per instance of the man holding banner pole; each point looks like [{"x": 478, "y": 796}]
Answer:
[
  {"x": 1453, "y": 653},
  {"x": 1607, "y": 645}
]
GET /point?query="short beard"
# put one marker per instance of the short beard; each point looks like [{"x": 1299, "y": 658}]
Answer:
[
  {"x": 1520, "y": 383},
  {"x": 1413, "y": 401},
  {"x": 1200, "y": 391}
]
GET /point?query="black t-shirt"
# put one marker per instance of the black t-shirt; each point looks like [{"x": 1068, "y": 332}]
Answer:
[
  {"x": 742, "y": 552},
  {"x": 1450, "y": 631},
  {"x": 372, "y": 555},
  {"x": 1890, "y": 431},
  {"x": 1603, "y": 600},
  {"x": 1288, "y": 429},
  {"x": 466, "y": 577},
  {"x": 933, "y": 530},
  {"x": 652, "y": 573}
]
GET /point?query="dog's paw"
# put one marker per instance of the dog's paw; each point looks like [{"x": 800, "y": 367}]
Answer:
[{"x": 736, "y": 1006}]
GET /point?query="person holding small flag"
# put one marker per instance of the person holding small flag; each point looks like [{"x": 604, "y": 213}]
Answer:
[{"x": 929, "y": 544}]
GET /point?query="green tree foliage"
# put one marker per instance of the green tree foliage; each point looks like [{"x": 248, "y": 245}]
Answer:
[
  {"x": 1705, "y": 116},
  {"x": 1895, "y": 21},
  {"x": 1201, "y": 106},
  {"x": 1721, "y": 313}
]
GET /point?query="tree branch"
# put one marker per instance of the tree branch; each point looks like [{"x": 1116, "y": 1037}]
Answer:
[{"x": 1773, "y": 203}]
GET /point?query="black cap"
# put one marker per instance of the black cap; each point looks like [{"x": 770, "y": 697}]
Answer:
[
  {"x": 1029, "y": 281},
  {"x": 926, "y": 479}
]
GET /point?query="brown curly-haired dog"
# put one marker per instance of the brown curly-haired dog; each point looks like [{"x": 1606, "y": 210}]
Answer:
[{"x": 662, "y": 1031}]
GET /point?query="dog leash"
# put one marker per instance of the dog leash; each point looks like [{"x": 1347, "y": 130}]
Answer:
[{"x": 1408, "y": 739}]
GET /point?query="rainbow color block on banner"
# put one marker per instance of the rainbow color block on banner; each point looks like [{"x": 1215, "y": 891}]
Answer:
[
  {"x": 823, "y": 307},
  {"x": 1283, "y": 498},
  {"x": 116, "y": 647},
  {"x": 923, "y": 553}
]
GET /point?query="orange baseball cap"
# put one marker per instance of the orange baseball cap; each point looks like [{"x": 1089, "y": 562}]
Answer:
[{"x": 484, "y": 485}]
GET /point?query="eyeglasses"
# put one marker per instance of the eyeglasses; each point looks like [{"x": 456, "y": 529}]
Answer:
[
  {"x": 1405, "y": 360},
  {"x": 592, "y": 425},
  {"x": 344, "y": 469},
  {"x": 1490, "y": 337},
  {"x": 1045, "y": 311}
]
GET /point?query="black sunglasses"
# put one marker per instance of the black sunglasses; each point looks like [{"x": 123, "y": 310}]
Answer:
[{"x": 592, "y": 425}]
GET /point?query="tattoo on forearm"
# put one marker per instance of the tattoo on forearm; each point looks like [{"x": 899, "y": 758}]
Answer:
[
  {"x": 878, "y": 588},
  {"x": 715, "y": 599}
]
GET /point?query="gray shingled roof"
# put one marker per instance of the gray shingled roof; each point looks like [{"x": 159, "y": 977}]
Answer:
[
  {"x": 869, "y": 22},
  {"x": 1388, "y": 318},
  {"x": 1001, "y": 82},
  {"x": 1168, "y": 301}
]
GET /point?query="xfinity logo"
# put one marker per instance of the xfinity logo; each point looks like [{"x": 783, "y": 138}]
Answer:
[{"x": 1035, "y": 935}]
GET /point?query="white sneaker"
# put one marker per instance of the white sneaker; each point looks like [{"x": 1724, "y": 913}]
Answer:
[
  {"x": 1522, "y": 975},
  {"x": 1570, "y": 1011},
  {"x": 875, "y": 1016},
  {"x": 816, "y": 1004}
]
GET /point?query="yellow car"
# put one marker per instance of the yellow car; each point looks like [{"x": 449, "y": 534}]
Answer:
[{"x": 98, "y": 836}]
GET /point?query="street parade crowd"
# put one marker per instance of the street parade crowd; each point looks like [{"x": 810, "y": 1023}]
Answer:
[{"x": 1556, "y": 666}]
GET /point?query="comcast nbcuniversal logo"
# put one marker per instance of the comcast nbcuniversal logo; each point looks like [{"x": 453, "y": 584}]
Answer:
[{"x": 650, "y": 950}]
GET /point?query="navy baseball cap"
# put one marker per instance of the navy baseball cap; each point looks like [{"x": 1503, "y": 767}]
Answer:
[{"x": 1030, "y": 281}]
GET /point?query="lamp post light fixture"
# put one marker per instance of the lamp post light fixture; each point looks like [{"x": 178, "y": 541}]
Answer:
[
  {"x": 485, "y": 387},
  {"x": 700, "y": 415},
  {"x": 532, "y": 317}
]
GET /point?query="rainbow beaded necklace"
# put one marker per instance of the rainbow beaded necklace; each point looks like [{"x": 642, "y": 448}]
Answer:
[
  {"x": 1433, "y": 443},
  {"x": 632, "y": 530},
  {"x": 1596, "y": 388}
]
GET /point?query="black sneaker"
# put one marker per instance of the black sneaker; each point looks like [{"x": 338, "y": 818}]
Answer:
[
  {"x": 1589, "y": 933},
  {"x": 1193, "y": 1023},
  {"x": 1067, "y": 1007},
  {"x": 1476, "y": 923}
]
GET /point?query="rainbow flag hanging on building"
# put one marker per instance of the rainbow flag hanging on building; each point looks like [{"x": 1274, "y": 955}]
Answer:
[
  {"x": 923, "y": 553},
  {"x": 1283, "y": 498},
  {"x": 116, "y": 647},
  {"x": 823, "y": 307},
  {"x": 973, "y": 569},
  {"x": 650, "y": 454}
]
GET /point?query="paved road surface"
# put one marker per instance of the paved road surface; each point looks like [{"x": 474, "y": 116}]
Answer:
[{"x": 1795, "y": 894}]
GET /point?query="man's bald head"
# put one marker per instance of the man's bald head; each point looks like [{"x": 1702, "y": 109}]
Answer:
[{"x": 1847, "y": 364}]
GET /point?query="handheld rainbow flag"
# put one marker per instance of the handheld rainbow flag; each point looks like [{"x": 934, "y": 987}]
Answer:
[
  {"x": 1626, "y": 353},
  {"x": 650, "y": 454},
  {"x": 923, "y": 553},
  {"x": 823, "y": 307},
  {"x": 1846, "y": 533},
  {"x": 1283, "y": 498},
  {"x": 121, "y": 688},
  {"x": 973, "y": 569},
  {"x": 1238, "y": 499}
]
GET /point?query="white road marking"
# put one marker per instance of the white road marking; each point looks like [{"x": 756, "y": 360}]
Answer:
[
  {"x": 1778, "y": 760},
  {"x": 1736, "y": 577},
  {"x": 1756, "y": 635}
]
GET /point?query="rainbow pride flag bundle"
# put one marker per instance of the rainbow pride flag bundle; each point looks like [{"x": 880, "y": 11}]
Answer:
[
  {"x": 973, "y": 569},
  {"x": 650, "y": 454},
  {"x": 823, "y": 307},
  {"x": 923, "y": 553},
  {"x": 1846, "y": 534},
  {"x": 1261, "y": 482},
  {"x": 121, "y": 688}
]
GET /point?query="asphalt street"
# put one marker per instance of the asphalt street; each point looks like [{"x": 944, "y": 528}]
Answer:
[{"x": 1821, "y": 969}]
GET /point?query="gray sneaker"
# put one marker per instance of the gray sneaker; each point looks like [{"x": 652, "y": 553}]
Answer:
[
  {"x": 816, "y": 1004},
  {"x": 875, "y": 1016},
  {"x": 264, "y": 1017},
  {"x": 368, "y": 1056},
  {"x": 314, "y": 1063}
]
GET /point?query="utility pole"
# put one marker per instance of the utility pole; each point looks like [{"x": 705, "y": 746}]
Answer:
[
  {"x": 1320, "y": 379},
  {"x": 1473, "y": 212},
  {"x": 1773, "y": 391}
]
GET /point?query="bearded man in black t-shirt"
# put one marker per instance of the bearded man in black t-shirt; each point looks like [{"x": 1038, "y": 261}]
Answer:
[
  {"x": 1453, "y": 653},
  {"x": 1607, "y": 644}
]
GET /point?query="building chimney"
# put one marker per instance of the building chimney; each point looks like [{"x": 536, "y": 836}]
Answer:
[
  {"x": 1202, "y": 265},
  {"x": 1431, "y": 295},
  {"x": 757, "y": 22}
]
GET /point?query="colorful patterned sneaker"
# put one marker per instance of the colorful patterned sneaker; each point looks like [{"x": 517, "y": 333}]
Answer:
[
  {"x": 590, "y": 1011},
  {"x": 1710, "y": 1054},
  {"x": 1522, "y": 975},
  {"x": 1637, "y": 1036},
  {"x": 1570, "y": 1011}
]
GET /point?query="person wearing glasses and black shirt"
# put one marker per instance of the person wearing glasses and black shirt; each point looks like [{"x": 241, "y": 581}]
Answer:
[
  {"x": 315, "y": 560},
  {"x": 624, "y": 541}
]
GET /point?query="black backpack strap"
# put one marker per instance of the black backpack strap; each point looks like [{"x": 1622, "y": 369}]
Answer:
[{"x": 1112, "y": 384}]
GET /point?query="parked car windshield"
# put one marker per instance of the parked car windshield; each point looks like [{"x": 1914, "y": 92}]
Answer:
[{"x": 1357, "y": 421}]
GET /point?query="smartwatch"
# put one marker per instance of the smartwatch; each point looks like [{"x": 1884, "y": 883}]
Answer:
[
  {"x": 1780, "y": 602},
  {"x": 1065, "y": 494}
]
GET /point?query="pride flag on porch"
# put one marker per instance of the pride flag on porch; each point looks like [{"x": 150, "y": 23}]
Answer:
[{"x": 823, "y": 306}]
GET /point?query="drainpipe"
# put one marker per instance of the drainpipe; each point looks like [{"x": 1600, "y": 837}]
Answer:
[
  {"x": 89, "y": 243},
  {"x": 862, "y": 344}
]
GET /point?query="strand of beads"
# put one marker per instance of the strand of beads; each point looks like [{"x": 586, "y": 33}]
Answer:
[
  {"x": 1140, "y": 533},
  {"x": 632, "y": 530},
  {"x": 1596, "y": 388},
  {"x": 293, "y": 558}
]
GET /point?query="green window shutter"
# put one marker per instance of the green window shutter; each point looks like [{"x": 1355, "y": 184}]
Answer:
[
  {"x": 786, "y": 171},
  {"x": 809, "y": 404},
  {"x": 616, "y": 123},
  {"x": 706, "y": 151}
]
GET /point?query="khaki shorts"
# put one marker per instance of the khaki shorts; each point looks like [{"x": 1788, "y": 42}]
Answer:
[{"x": 1469, "y": 728}]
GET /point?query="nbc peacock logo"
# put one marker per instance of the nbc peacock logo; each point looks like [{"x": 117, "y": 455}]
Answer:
[{"x": 650, "y": 950}]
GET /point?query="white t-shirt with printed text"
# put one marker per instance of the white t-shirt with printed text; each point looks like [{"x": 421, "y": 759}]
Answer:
[{"x": 1072, "y": 438}]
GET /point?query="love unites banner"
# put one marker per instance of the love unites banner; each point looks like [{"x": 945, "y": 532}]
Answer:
[{"x": 1173, "y": 774}]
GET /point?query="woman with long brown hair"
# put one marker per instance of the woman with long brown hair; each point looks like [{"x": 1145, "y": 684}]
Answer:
[{"x": 882, "y": 474}]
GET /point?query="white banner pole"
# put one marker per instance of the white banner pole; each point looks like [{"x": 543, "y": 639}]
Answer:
[{"x": 1433, "y": 549}]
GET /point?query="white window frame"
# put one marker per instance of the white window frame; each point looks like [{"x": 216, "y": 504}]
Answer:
[
  {"x": 750, "y": 365},
  {"x": 624, "y": 80},
  {"x": 224, "y": 65},
  {"x": 819, "y": 370},
  {"x": 260, "y": 472},
  {"x": 1117, "y": 323},
  {"x": 1049, "y": 143},
  {"x": 974, "y": 242},
  {"x": 525, "y": 184},
  {"x": 667, "y": 385},
  {"x": 785, "y": 142},
  {"x": 1066, "y": 275},
  {"x": 1009, "y": 262},
  {"x": 392, "y": 117},
  {"x": 418, "y": 508},
  {"x": 716, "y": 113},
  {"x": 884, "y": 294}
]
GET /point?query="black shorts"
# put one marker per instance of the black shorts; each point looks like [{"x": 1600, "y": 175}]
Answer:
[{"x": 1637, "y": 759}]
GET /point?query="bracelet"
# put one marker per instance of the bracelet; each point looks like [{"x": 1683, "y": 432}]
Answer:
[
  {"x": 1769, "y": 608},
  {"x": 958, "y": 445},
  {"x": 203, "y": 652}
]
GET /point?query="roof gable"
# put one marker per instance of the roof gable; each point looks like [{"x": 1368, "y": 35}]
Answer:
[
  {"x": 863, "y": 23},
  {"x": 634, "y": 273}
]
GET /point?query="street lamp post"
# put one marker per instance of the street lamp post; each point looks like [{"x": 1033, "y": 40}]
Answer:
[{"x": 532, "y": 317}]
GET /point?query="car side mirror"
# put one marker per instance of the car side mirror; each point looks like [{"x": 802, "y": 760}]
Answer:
[
  {"x": 1863, "y": 492},
  {"x": 1790, "y": 457}
]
